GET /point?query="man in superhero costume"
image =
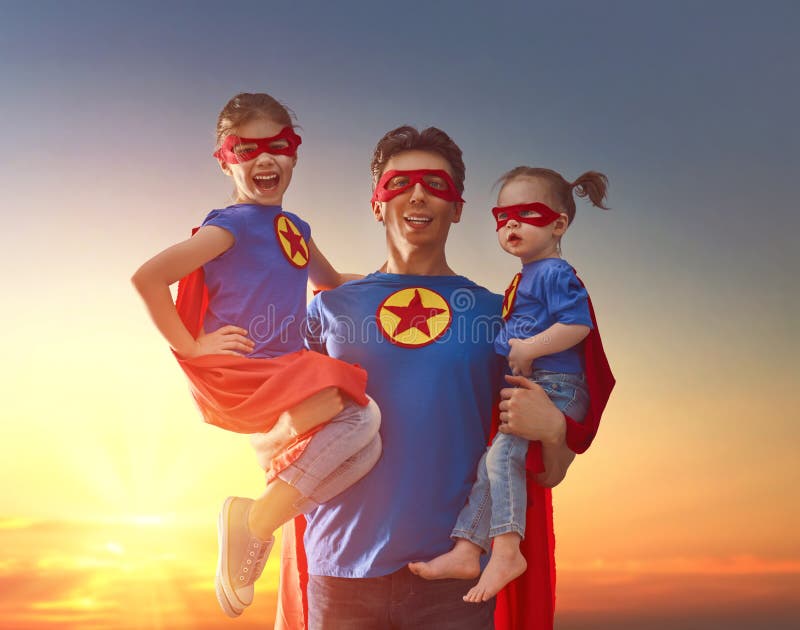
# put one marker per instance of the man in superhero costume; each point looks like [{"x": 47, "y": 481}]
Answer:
[{"x": 425, "y": 336}]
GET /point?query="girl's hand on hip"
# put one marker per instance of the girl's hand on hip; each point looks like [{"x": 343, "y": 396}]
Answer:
[{"x": 226, "y": 340}]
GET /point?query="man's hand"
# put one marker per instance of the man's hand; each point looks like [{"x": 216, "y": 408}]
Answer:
[
  {"x": 526, "y": 411},
  {"x": 301, "y": 418},
  {"x": 313, "y": 411},
  {"x": 226, "y": 340},
  {"x": 521, "y": 356}
]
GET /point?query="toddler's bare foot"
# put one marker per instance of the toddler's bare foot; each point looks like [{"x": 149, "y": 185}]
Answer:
[
  {"x": 462, "y": 562},
  {"x": 502, "y": 568}
]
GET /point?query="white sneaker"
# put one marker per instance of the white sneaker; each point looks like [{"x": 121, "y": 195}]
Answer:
[{"x": 242, "y": 557}]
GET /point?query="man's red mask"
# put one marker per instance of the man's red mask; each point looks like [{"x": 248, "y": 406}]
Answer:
[
  {"x": 537, "y": 214},
  {"x": 437, "y": 182},
  {"x": 235, "y": 150}
]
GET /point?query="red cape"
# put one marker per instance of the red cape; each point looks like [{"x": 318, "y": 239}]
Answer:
[
  {"x": 529, "y": 601},
  {"x": 247, "y": 395}
]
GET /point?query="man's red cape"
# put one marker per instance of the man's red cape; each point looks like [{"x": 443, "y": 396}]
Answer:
[
  {"x": 247, "y": 395},
  {"x": 527, "y": 603}
]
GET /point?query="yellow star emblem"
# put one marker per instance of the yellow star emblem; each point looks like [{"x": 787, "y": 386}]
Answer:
[
  {"x": 414, "y": 317},
  {"x": 291, "y": 240}
]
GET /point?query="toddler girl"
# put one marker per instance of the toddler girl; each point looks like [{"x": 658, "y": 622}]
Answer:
[{"x": 547, "y": 316}]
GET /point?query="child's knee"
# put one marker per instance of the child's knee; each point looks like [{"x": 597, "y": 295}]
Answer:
[
  {"x": 371, "y": 414},
  {"x": 371, "y": 453}
]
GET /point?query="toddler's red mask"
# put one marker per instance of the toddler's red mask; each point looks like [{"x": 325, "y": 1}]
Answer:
[
  {"x": 537, "y": 214},
  {"x": 437, "y": 182},
  {"x": 235, "y": 150}
]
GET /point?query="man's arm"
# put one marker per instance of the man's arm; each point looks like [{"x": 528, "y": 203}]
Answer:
[
  {"x": 303, "y": 417},
  {"x": 526, "y": 411}
]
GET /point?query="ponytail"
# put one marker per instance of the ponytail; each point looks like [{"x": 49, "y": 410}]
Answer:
[{"x": 592, "y": 185}]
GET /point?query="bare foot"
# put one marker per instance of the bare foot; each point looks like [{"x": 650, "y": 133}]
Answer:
[
  {"x": 462, "y": 562},
  {"x": 502, "y": 568}
]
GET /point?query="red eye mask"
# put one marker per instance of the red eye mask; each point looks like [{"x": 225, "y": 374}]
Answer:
[
  {"x": 541, "y": 213},
  {"x": 435, "y": 181},
  {"x": 236, "y": 150}
]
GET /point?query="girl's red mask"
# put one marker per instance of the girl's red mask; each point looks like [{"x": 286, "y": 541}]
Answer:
[
  {"x": 538, "y": 214},
  {"x": 235, "y": 150},
  {"x": 437, "y": 182}
]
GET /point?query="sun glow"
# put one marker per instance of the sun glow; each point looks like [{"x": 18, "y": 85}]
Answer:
[{"x": 117, "y": 576}]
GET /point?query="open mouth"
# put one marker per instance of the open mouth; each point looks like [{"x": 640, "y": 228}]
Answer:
[
  {"x": 266, "y": 183},
  {"x": 418, "y": 221},
  {"x": 513, "y": 239}
]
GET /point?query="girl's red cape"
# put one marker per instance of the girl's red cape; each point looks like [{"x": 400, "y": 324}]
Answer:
[{"x": 248, "y": 395}]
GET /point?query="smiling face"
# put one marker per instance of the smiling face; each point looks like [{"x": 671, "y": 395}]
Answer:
[
  {"x": 264, "y": 179},
  {"x": 529, "y": 242},
  {"x": 416, "y": 217}
]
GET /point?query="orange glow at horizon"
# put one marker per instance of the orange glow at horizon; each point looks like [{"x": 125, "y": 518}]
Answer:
[{"x": 135, "y": 574}]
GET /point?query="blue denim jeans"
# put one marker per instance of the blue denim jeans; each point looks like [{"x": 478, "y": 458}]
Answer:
[
  {"x": 338, "y": 455},
  {"x": 400, "y": 600},
  {"x": 498, "y": 500}
]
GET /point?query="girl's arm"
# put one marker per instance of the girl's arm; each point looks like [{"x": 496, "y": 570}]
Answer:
[
  {"x": 526, "y": 411},
  {"x": 321, "y": 273},
  {"x": 152, "y": 281},
  {"x": 557, "y": 338}
]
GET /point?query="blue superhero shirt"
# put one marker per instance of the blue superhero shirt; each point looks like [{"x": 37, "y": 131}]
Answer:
[
  {"x": 548, "y": 293},
  {"x": 427, "y": 345},
  {"x": 260, "y": 283}
]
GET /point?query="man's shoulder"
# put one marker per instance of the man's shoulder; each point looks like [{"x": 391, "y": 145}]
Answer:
[
  {"x": 484, "y": 293},
  {"x": 486, "y": 301},
  {"x": 481, "y": 293},
  {"x": 341, "y": 296},
  {"x": 352, "y": 287}
]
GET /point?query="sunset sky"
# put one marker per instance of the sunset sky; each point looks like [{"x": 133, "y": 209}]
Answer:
[{"x": 684, "y": 514}]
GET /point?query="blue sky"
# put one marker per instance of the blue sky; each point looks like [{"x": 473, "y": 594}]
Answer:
[{"x": 689, "y": 108}]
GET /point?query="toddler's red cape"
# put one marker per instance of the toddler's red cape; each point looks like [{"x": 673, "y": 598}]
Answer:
[
  {"x": 528, "y": 603},
  {"x": 247, "y": 395}
]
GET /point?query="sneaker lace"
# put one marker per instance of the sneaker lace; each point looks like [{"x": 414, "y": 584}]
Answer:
[{"x": 254, "y": 561}]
